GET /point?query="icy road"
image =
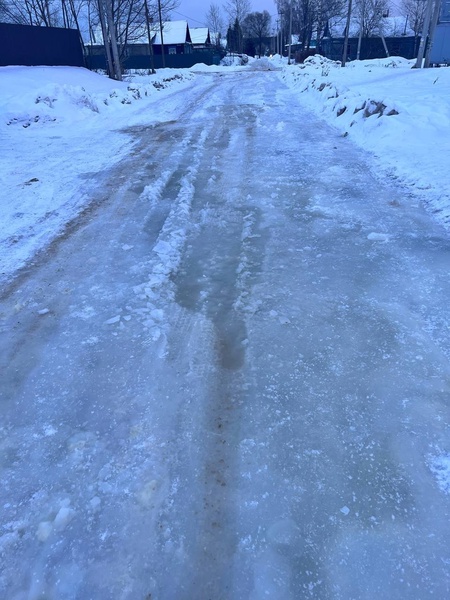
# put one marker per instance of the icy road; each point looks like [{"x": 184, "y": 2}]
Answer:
[{"x": 229, "y": 380}]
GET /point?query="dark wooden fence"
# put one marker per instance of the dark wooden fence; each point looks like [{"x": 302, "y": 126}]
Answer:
[
  {"x": 370, "y": 47},
  {"x": 138, "y": 57},
  {"x": 32, "y": 46}
]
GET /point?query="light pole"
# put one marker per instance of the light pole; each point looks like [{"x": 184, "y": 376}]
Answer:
[
  {"x": 290, "y": 32},
  {"x": 347, "y": 27},
  {"x": 161, "y": 34},
  {"x": 281, "y": 33},
  {"x": 425, "y": 31},
  {"x": 150, "y": 41}
]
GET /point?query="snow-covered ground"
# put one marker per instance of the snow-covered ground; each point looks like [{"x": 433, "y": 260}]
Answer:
[
  {"x": 400, "y": 114},
  {"x": 59, "y": 128},
  {"x": 230, "y": 378}
]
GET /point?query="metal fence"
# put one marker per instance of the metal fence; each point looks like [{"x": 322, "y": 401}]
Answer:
[{"x": 33, "y": 46}]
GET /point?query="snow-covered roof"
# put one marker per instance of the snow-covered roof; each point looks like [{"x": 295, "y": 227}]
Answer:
[
  {"x": 174, "y": 32},
  {"x": 200, "y": 35}
]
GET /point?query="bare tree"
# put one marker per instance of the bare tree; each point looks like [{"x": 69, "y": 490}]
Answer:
[
  {"x": 33, "y": 12},
  {"x": 257, "y": 25},
  {"x": 124, "y": 22},
  {"x": 3, "y": 11},
  {"x": 237, "y": 9},
  {"x": 309, "y": 17},
  {"x": 414, "y": 11},
  {"x": 370, "y": 16},
  {"x": 215, "y": 23}
]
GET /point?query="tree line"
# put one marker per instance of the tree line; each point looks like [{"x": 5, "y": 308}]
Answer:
[
  {"x": 121, "y": 22},
  {"x": 307, "y": 20}
]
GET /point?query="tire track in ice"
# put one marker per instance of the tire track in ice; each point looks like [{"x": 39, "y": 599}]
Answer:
[
  {"x": 169, "y": 198},
  {"x": 157, "y": 291},
  {"x": 211, "y": 285}
]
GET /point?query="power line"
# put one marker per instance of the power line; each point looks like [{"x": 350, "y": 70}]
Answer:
[{"x": 190, "y": 18}]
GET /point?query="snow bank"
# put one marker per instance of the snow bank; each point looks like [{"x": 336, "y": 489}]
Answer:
[
  {"x": 264, "y": 64},
  {"x": 59, "y": 127},
  {"x": 400, "y": 114},
  {"x": 234, "y": 60},
  {"x": 40, "y": 95}
]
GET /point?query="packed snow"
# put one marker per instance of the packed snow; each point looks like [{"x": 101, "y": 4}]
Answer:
[
  {"x": 224, "y": 333},
  {"x": 60, "y": 124}
]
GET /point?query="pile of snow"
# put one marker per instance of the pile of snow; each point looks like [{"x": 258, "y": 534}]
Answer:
[
  {"x": 400, "y": 114},
  {"x": 29, "y": 96},
  {"x": 234, "y": 60},
  {"x": 278, "y": 60},
  {"x": 264, "y": 64}
]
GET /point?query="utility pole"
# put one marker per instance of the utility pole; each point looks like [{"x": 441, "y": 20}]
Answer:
[
  {"x": 150, "y": 37},
  {"x": 161, "y": 34},
  {"x": 290, "y": 32},
  {"x": 277, "y": 39},
  {"x": 383, "y": 39},
  {"x": 425, "y": 31},
  {"x": 361, "y": 27},
  {"x": 281, "y": 33},
  {"x": 347, "y": 28},
  {"x": 434, "y": 21}
]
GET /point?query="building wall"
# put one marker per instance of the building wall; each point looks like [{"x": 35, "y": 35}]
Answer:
[{"x": 440, "y": 51}]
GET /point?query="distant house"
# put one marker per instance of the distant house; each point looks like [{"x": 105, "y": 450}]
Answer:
[
  {"x": 200, "y": 37},
  {"x": 179, "y": 51},
  {"x": 176, "y": 38}
]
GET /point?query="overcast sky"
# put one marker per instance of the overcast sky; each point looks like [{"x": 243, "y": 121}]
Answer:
[{"x": 194, "y": 11}]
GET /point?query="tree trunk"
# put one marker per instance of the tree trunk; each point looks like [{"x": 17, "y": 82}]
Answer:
[{"x": 113, "y": 40}]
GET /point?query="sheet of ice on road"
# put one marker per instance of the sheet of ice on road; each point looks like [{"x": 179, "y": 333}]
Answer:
[{"x": 231, "y": 381}]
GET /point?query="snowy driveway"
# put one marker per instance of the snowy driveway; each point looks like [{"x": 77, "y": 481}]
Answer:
[{"x": 231, "y": 380}]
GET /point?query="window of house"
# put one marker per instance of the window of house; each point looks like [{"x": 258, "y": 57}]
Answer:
[{"x": 172, "y": 50}]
